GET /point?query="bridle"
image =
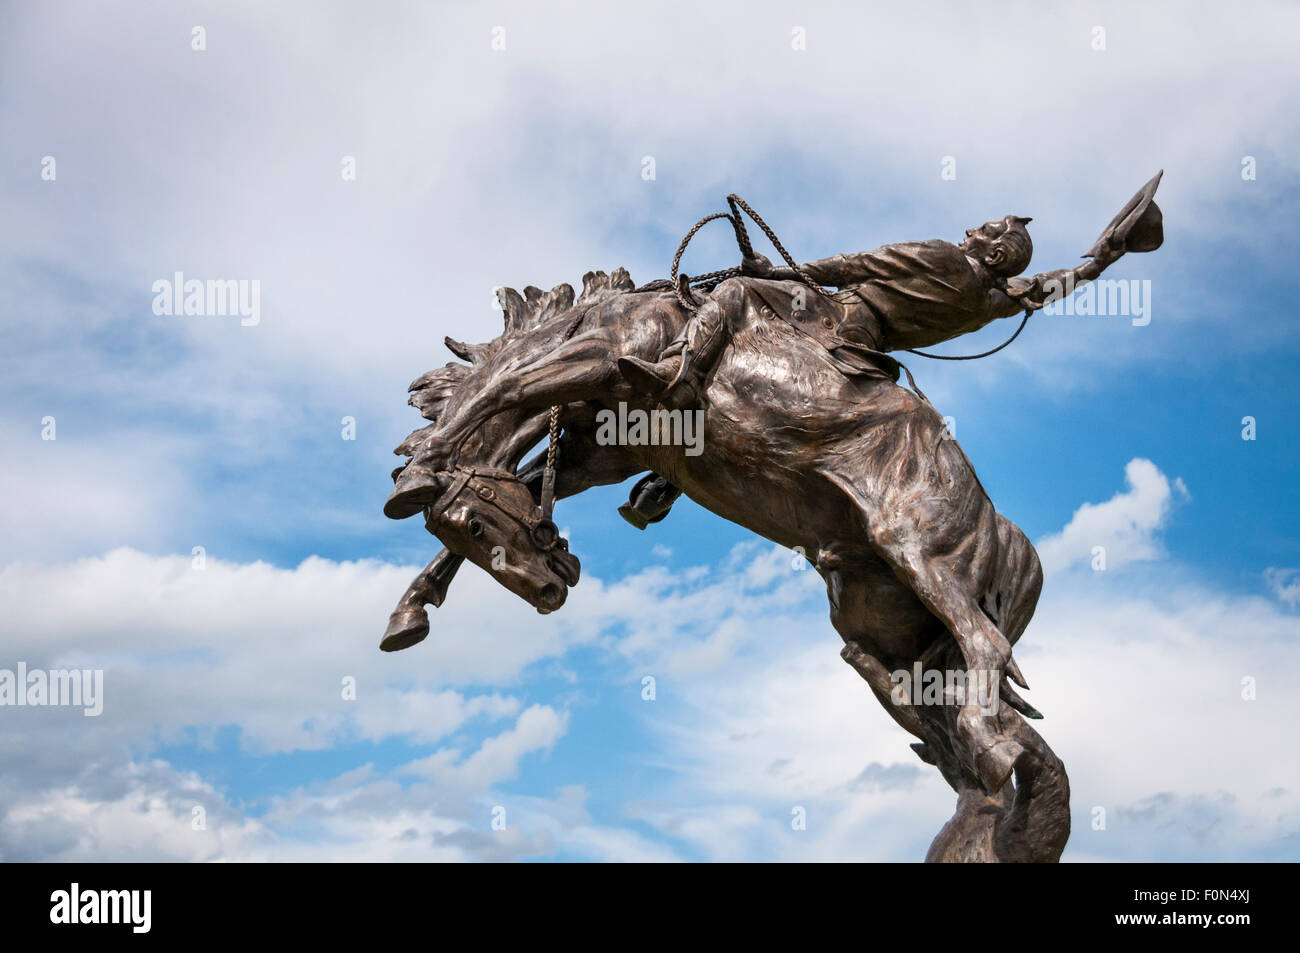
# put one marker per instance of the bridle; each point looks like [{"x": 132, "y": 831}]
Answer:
[{"x": 479, "y": 481}]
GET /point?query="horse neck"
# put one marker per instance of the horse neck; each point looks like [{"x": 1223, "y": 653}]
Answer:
[{"x": 502, "y": 441}]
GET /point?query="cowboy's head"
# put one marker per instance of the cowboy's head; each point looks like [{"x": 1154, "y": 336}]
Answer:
[{"x": 1002, "y": 245}]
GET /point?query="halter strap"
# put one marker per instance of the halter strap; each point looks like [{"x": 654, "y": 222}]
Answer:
[{"x": 473, "y": 477}]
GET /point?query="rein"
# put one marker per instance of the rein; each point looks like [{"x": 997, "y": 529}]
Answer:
[
  {"x": 548, "y": 472},
  {"x": 974, "y": 357},
  {"x": 708, "y": 281}
]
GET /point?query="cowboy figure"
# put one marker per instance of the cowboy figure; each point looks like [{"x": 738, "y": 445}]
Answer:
[{"x": 897, "y": 297}]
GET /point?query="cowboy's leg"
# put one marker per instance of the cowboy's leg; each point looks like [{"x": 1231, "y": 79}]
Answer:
[{"x": 678, "y": 377}]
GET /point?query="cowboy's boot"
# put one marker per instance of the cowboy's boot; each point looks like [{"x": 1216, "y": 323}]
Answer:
[
  {"x": 678, "y": 378},
  {"x": 649, "y": 501}
]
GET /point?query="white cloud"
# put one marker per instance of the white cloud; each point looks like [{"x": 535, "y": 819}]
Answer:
[
  {"x": 1125, "y": 526},
  {"x": 537, "y": 729},
  {"x": 129, "y": 811},
  {"x": 1141, "y": 680},
  {"x": 1284, "y": 583},
  {"x": 253, "y": 188},
  {"x": 79, "y": 491}
]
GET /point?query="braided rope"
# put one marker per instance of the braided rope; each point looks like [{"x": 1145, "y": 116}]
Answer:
[
  {"x": 748, "y": 250},
  {"x": 710, "y": 280},
  {"x": 555, "y": 434}
]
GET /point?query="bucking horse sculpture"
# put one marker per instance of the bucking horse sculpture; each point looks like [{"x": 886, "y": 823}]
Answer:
[{"x": 809, "y": 441}]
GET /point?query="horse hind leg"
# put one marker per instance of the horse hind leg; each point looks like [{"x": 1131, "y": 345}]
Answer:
[
  {"x": 1025, "y": 822},
  {"x": 933, "y": 525},
  {"x": 1037, "y": 825},
  {"x": 983, "y": 652}
]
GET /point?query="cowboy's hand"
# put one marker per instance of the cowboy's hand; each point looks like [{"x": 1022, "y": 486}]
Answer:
[
  {"x": 756, "y": 266},
  {"x": 1111, "y": 249}
]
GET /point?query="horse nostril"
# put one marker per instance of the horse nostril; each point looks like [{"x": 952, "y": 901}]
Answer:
[
  {"x": 476, "y": 529},
  {"x": 550, "y": 594},
  {"x": 563, "y": 569}
]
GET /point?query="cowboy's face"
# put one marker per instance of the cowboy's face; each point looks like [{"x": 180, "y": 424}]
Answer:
[{"x": 981, "y": 239}]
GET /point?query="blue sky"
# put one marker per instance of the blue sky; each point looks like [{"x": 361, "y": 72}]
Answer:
[{"x": 479, "y": 167}]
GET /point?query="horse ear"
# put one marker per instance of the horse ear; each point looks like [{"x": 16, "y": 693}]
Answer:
[
  {"x": 515, "y": 309},
  {"x": 459, "y": 348}
]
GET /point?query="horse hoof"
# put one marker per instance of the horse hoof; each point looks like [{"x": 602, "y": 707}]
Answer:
[
  {"x": 922, "y": 750},
  {"x": 406, "y": 627},
  {"x": 995, "y": 764},
  {"x": 417, "y": 487}
]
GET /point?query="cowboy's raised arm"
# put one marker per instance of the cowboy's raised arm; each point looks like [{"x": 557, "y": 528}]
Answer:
[
  {"x": 836, "y": 271},
  {"x": 1139, "y": 227},
  {"x": 1034, "y": 293}
]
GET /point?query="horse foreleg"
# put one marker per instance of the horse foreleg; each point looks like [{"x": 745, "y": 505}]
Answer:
[{"x": 409, "y": 622}]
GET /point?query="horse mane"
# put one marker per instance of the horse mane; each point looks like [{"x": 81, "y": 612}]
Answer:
[{"x": 523, "y": 313}]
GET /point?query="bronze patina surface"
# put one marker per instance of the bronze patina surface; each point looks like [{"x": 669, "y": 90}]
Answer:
[{"x": 809, "y": 441}]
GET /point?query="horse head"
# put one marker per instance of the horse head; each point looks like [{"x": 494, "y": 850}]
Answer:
[
  {"x": 475, "y": 501},
  {"x": 490, "y": 517}
]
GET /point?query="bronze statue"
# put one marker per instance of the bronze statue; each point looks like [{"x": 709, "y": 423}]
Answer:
[{"x": 809, "y": 442}]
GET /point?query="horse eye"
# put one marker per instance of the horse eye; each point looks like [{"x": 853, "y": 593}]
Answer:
[{"x": 475, "y": 528}]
